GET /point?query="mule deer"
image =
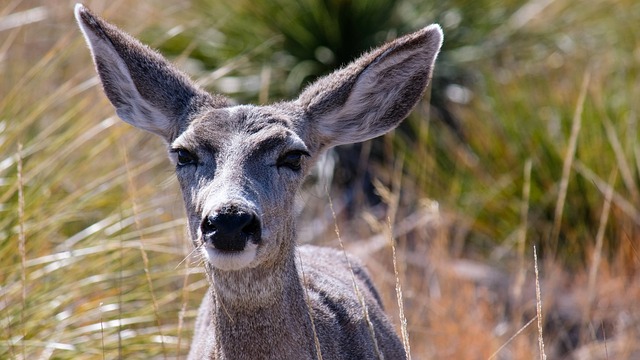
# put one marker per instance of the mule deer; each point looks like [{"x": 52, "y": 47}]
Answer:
[{"x": 239, "y": 168}]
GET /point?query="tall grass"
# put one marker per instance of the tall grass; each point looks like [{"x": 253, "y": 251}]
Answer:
[
  {"x": 84, "y": 202},
  {"x": 92, "y": 237}
]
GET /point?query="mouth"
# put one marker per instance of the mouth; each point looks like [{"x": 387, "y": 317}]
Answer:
[{"x": 229, "y": 259}]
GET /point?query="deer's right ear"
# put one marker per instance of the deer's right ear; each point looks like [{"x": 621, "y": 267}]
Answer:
[{"x": 146, "y": 90}]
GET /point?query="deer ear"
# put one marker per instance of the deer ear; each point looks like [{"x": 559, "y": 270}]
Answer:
[
  {"x": 372, "y": 95},
  {"x": 146, "y": 90}
]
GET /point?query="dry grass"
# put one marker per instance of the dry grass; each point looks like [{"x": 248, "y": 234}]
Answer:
[{"x": 92, "y": 240}]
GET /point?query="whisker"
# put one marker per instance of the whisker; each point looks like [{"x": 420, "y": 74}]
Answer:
[{"x": 195, "y": 250}]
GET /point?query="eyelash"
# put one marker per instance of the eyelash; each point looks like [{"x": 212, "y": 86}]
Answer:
[
  {"x": 185, "y": 157},
  {"x": 292, "y": 160}
]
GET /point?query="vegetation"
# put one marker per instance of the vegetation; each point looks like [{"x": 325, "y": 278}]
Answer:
[{"x": 529, "y": 136}]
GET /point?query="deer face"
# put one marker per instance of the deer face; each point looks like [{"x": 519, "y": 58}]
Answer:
[{"x": 239, "y": 169}]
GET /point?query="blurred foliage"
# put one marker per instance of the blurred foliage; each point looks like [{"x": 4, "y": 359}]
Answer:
[{"x": 298, "y": 40}]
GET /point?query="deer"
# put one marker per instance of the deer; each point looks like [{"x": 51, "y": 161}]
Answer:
[{"x": 239, "y": 168}]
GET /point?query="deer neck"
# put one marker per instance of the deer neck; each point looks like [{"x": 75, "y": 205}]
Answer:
[
  {"x": 261, "y": 287},
  {"x": 252, "y": 305}
]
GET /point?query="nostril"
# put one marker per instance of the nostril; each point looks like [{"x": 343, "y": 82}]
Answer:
[
  {"x": 208, "y": 225},
  {"x": 252, "y": 226}
]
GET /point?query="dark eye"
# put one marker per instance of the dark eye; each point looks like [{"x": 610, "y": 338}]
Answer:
[
  {"x": 292, "y": 160},
  {"x": 185, "y": 157}
]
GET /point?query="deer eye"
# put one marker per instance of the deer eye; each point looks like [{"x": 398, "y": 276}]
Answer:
[
  {"x": 185, "y": 157},
  {"x": 292, "y": 160}
]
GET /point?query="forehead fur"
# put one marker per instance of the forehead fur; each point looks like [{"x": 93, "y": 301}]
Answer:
[{"x": 255, "y": 124}]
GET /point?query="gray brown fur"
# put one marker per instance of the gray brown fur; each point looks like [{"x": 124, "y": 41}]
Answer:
[{"x": 239, "y": 168}]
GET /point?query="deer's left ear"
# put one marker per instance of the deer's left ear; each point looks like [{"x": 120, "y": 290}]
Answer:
[{"x": 372, "y": 95}]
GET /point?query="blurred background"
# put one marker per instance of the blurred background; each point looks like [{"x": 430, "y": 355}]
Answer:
[{"x": 527, "y": 137}]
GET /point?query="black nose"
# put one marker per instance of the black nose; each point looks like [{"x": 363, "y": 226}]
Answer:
[{"x": 230, "y": 228}]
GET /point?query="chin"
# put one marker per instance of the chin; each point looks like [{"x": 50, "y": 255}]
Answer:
[{"x": 230, "y": 260}]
